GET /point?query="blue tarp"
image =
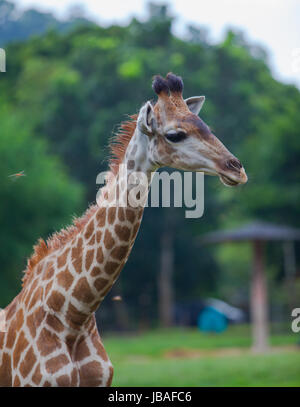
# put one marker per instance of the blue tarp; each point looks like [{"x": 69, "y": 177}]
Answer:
[{"x": 211, "y": 320}]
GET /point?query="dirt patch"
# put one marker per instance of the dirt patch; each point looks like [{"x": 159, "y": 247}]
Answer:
[{"x": 182, "y": 353}]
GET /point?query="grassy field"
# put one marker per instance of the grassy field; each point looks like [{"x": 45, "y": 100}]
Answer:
[{"x": 186, "y": 357}]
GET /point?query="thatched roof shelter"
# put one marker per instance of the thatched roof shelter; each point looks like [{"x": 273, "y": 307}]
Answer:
[
  {"x": 258, "y": 233},
  {"x": 254, "y": 231}
]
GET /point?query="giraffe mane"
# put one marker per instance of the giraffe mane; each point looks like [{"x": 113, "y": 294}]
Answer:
[
  {"x": 118, "y": 145},
  {"x": 56, "y": 241}
]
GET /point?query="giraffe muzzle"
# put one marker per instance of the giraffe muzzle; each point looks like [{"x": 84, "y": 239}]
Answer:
[{"x": 234, "y": 173}]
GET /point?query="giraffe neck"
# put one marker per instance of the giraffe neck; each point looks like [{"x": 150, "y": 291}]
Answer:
[{"x": 92, "y": 262}]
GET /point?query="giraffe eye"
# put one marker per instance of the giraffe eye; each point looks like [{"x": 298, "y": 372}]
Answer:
[{"x": 176, "y": 136}]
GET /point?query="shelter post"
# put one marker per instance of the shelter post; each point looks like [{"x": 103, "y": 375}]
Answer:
[{"x": 258, "y": 303}]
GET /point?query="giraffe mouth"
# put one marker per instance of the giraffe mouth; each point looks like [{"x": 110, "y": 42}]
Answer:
[{"x": 228, "y": 181}]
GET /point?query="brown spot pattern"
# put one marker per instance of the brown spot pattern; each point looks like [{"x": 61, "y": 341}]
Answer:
[
  {"x": 89, "y": 229},
  {"x": 48, "y": 288},
  {"x": 36, "y": 297},
  {"x": 63, "y": 381},
  {"x": 110, "y": 267},
  {"x": 5, "y": 371},
  {"x": 89, "y": 259},
  {"x": 11, "y": 309},
  {"x": 91, "y": 374},
  {"x": 123, "y": 232},
  {"x": 130, "y": 215},
  {"x": 95, "y": 271},
  {"x": 61, "y": 260},
  {"x": 49, "y": 272},
  {"x": 99, "y": 255},
  {"x": 135, "y": 230},
  {"x": 108, "y": 240},
  {"x": 28, "y": 362},
  {"x": 34, "y": 320},
  {"x": 74, "y": 377},
  {"x": 111, "y": 215},
  {"x": 65, "y": 279},
  {"x": 111, "y": 373},
  {"x": 98, "y": 236},
  {"x": 77, "y": 256},
  {"x": 121, "y": 214},
  {"x": 70, "y": 341},
  {"x": 100, "y": 283},
  {"x": 101, "y": 216},
  {"x": 17, "y": 382},
  {"x": 56, "y": 301},
  {"x": 37, "y": 377},
  {"x": 75, "y": 318},
  {"x": 55, "y": 364},
  {"x": 54, "y": 323},
  {"x": 47, "y": 342},
  {"x": 21, "y": 345},
  {"x": 82, "y": 351},
  {"x": 11, "y": 336},
  {"x": 82, "y": 291},
  {"x": 119, "y": 252},
  {"x": 92, "y": 241},
  {"x": 98, "y": 346},
  {"x": 47, "y": 384}
]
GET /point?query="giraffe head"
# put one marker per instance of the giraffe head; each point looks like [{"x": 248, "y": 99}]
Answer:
[{"x": 178, "y": 138}]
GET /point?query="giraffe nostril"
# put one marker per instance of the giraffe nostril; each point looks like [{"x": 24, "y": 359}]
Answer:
[{"x": 234, "y": 164}]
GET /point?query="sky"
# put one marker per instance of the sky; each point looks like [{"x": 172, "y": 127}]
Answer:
[{"x": 274, "y": 24}]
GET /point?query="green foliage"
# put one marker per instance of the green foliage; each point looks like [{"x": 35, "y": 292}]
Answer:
[
  {"x": 33, "y": 205},
  {"x": 236, "y": 260}
]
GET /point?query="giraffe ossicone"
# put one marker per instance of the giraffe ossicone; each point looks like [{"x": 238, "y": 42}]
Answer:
[{"x": 51, "y": 337}]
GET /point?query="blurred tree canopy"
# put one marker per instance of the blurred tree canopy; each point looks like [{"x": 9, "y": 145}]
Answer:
[
  {"x": 43, "y": 199},
  {"x": 16, "y": 25},
  {"x": 65, "y": 93}
]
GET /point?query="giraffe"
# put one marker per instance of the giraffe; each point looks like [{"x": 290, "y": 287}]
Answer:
[{"x": 51, "y": 337}]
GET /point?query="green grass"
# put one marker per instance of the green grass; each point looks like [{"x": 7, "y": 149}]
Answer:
[{"x": 186, "y": 357}]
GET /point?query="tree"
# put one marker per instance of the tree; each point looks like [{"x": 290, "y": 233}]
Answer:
[
  {"x": 31, "y": 206},
  {"x": 18, "y": 26}
]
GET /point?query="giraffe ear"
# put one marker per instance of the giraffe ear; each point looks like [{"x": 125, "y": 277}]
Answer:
[
  {"x": 195, "y": 103},
  {"x": 146, "y": 121}
]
